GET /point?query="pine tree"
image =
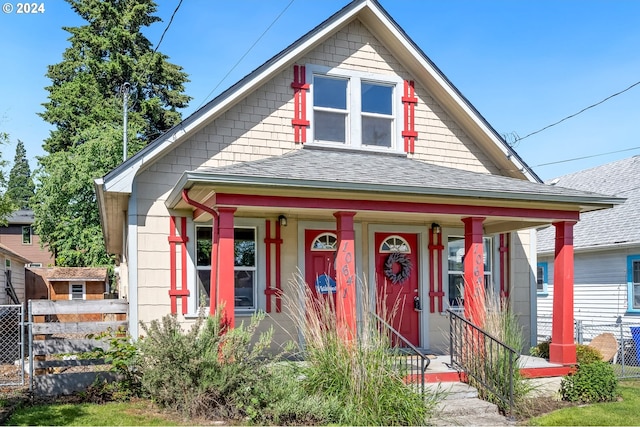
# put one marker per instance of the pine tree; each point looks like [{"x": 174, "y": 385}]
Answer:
[
  {"x": 20, "y": 188},
  {"x": 6, "y": 206},
  {"x": 85, "y": 106}
]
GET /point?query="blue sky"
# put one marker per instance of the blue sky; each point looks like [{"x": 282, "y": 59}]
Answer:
[{"x": 523, "y": 64}]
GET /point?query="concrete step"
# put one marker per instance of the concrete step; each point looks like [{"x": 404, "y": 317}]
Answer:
[{"x": 460, "y": 405}]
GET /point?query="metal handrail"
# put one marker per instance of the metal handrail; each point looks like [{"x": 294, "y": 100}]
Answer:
[
  {"x": 410, "y": 351},
  {"x": 487, "y": 361}
]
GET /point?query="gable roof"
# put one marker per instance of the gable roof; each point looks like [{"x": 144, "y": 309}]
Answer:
[
  {"x": 340, "y": 169},
  {"x": 57, "y": 274},
  {"x": 378, "y": 21},
  {"x": 607, "y": 228},
  {"x": 4, "y": 250}
]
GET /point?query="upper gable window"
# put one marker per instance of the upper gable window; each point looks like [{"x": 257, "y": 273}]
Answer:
[{"x": 355, "y": 109}]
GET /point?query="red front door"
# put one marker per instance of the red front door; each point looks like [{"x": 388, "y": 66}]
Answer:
[
  {"x": 320, "y": 272},
  {"x": 397, "y": 287}
]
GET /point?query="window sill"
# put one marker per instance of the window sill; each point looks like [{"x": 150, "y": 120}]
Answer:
[
  {"x": 542, "y": 294},
  {"x": 240, "y": 313},
  {"x": 354, "y": 149}
]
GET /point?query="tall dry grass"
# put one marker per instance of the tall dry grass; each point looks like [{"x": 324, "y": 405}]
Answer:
[{"x": 361, "y": 373}]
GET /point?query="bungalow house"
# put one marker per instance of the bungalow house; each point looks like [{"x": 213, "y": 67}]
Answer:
[
  {"x": 351, "y": 158},
  {"x": 606, "y": 245}
]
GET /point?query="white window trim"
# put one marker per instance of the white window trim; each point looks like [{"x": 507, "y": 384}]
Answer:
[
  {"x": 259, "y": 225},
  {"x": 631, "y": 259},
  {"x": 84, "y": 289},
  {"x": 493, "y": 273},
  {"x": 354, "y": 129}
]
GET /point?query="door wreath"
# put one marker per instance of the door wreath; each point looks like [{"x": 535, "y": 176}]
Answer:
[{"x": 405, "y": 268}]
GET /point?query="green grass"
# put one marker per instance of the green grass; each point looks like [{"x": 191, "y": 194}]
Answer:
[
  {"x": 139, "y": 413},
  {"x": 622, "y": 413}
]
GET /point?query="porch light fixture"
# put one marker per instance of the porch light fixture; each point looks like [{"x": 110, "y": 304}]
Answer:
[
  {"x": 282, "y": 220},
  {"x": 435, "y": 228}
]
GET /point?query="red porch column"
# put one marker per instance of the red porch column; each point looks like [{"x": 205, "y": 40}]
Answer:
[
  {"x": 226, "y": 258},
  {"x": 345, "y": 276},
  {"x": 474, "y": 294},
  {"x": 563, "y": 348}
]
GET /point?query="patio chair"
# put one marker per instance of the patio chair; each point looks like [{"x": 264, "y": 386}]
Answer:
[{"x": 607, "y": 345}]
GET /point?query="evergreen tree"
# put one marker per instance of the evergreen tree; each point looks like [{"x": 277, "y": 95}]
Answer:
[
  {"x": 6, "y": 206},
  {"x": 20, "y": 188},
  {"x": 85, "y": 106}
]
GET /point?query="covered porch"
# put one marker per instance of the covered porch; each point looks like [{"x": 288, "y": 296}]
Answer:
[{"x": 365, "y": 198}]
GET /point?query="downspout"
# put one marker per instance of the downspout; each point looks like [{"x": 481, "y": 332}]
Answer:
[{"x": 213, "y": 282}]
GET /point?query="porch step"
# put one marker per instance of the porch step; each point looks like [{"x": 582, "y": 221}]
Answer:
[{"x": 461, "y": 406}]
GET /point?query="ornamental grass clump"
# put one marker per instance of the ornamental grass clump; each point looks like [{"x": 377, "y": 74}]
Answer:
[
  {"x": 360, "y": 375},
  {"x": 492, "y": 369}
]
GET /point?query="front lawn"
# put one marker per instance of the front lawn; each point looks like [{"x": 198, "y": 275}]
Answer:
[
  {"x": 621, "y": 413},
  {"x": 135, "y": 413}
]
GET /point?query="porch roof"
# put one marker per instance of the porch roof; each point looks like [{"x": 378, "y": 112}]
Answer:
[{"x": 348, "y": 170}]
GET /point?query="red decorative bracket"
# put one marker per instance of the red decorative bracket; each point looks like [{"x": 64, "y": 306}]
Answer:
[
  {"x": 299, "y": 121},
  {"x": 409, "y": 101}
]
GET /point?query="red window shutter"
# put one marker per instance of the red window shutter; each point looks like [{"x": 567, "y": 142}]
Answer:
[
  {"x": 409, "y": 101},
  {"x": 300, "y": 88}
]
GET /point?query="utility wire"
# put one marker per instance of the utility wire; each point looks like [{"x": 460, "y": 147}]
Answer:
[
  {"x": 586, "y": 157},
  {"x": 146, "y": 67},
  {"x": 518, "y": 139},
  {"x": 245, "y": 54}
]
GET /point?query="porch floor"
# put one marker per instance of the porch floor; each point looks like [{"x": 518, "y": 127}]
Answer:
[{"x": 440, "y": 369}]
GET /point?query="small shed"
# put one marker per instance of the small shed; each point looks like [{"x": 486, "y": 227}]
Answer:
[{"x": 67, "y": 283}]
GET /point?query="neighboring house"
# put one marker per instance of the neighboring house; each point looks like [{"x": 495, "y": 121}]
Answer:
[
  {"x": 606, "y": 246},
  {"x": 68, "y": 283},
  {"x": 350, "y": 158},
  {"x": 19, "y": 237},
  {"x": 12, "y": 283}
]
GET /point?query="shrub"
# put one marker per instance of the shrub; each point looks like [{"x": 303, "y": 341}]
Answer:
[
  {"x": 122, "y": 354},
  {"x": 592, "y": 382},
  {"x": 208, "y": 370},
  {"x": 586, "y": 354},
  {"x": 541, "y": 350}
]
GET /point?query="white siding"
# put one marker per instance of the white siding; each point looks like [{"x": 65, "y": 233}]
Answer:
[{"x": 600, "y": 289}]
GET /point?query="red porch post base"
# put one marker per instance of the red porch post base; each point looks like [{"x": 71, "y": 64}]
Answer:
[
  {"x": 345, "y": 276},
  {"x": 564, "y": 354},
  {"x": 562, "y": 348},
  {"x": 226, "y": 276}
]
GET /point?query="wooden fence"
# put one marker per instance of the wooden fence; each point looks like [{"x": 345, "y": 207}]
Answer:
[{"x": 58, "y": 343}]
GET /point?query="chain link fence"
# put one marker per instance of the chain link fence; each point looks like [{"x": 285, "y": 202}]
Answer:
[
  {"x": 626, "y": 361},
  {"x": 11, "y": 345}
]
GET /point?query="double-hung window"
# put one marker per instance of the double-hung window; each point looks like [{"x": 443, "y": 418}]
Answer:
[
  {"x": 455, "y": 252},
  {"x": 245, "y": 267},
  {"x": 355, "y": 110},
  {"x": 633, "y": 284}
]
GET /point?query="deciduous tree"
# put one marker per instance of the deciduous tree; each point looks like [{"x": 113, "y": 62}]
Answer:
[{"x": 85, "y": 106}]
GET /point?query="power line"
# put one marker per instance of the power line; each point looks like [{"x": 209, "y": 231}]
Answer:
[
  {"x": 155, "y": 50},
  {"x": 168, "y": 25},
  {"x": 586, "y": 157},
  {"x": 245, "y": 54},
  {"x": 518, "y": 139}
]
